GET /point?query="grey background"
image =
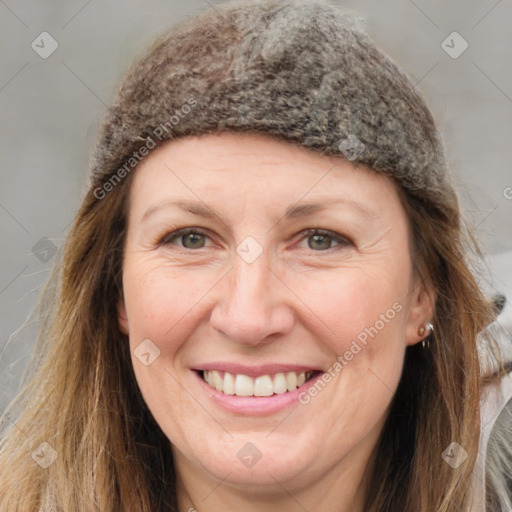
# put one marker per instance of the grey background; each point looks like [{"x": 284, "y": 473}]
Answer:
[{"x": 50, "y": 109}]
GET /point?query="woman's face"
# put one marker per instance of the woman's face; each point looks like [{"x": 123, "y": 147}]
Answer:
[{"x": 255, "y": 300}]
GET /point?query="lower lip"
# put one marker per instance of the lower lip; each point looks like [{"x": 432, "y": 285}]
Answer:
[{"x": 255, "y": 406}]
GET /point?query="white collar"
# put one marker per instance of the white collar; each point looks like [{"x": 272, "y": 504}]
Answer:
[{"x": 492, "y": 402}]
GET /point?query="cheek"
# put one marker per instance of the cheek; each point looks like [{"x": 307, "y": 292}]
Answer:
[
  {"x": 159, "y": 300},
  {"x": 362, "y": 320},
  {"x": 362, "y": 305},
  {"x": 160, "y": 304},
  {"x": 357, "y": 303}
]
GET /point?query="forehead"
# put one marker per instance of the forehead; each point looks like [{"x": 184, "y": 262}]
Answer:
[{"x": 248, "y": 171}]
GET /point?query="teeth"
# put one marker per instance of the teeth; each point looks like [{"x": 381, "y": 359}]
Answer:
[
  {"x": 229, "y": 384},
  {"x": 291, "y": 381},
  {"x": 217, "y": 381},
  {"x": 264, "y": 385},
  {"x": 244, "y": 386},
  {"x": 279, "y": 383}
]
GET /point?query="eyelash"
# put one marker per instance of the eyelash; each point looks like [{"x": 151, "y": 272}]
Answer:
[{"x": 341, "y": 240}]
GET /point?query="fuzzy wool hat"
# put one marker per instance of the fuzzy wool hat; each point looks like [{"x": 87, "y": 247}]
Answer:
[{"x": 301, "y": 70}]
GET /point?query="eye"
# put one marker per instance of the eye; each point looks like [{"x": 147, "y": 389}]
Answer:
[
  {"x": 320, "y": 239},
  {"x": 190, "y": 238}
]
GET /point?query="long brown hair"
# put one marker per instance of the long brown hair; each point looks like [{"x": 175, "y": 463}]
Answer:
[{"x": 82, "y": 398}]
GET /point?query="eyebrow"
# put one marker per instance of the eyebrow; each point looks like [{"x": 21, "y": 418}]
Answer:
[
  {"x": 301, "y": 210},
  {"x": 292, "y": 212},
  {"x": 189, "y": 206}
]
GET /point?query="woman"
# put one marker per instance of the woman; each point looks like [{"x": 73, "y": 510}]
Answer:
[{"x": 265, "y": 301}]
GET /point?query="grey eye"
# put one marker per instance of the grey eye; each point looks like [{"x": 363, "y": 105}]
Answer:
[
  {"x": 320, "y": 241},
  {"x": 193, "y": 241},
  {"x": 188, "y": 238}
]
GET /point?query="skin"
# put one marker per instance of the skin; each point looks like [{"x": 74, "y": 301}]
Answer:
[{"x": 299, "y": 302}]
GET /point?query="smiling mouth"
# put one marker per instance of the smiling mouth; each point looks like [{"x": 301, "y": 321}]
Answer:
[{"x": 263, "y": 385}]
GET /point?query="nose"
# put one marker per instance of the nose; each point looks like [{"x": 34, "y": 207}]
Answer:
[{"x": 252, "y": 307}]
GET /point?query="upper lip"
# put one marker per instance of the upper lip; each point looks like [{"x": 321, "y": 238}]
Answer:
[{"x": 255, "y": 370}]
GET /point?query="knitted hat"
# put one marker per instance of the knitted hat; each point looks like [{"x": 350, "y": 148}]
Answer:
[{"x": 304, "y": 71}]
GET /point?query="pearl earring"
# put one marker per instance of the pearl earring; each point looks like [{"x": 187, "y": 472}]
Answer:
[{"x": 425, "y": 343}]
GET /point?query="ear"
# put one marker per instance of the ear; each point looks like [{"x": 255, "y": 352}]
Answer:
[
  {"x": 122, "y": 316},
  {"x": 421, "y": 311}
]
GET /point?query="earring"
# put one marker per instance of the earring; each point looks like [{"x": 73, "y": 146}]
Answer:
[{"x": 425, "y": 343}]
